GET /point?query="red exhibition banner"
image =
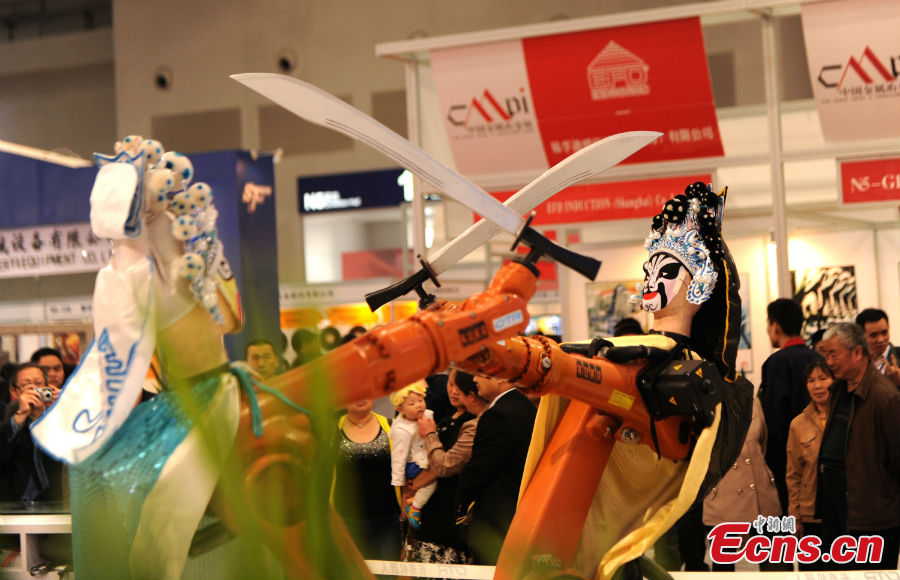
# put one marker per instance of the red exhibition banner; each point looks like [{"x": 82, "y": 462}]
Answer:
[
  {"x": 363, "y": 264},
  {"x": 608, "y": 201},
  {"x": 870, "y": 180},
  {"x": 588, "y": 85},
  {"x": 523, "y": 105}
]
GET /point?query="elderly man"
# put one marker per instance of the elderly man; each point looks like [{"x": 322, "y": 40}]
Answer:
[{"x": 859, "y": 460}]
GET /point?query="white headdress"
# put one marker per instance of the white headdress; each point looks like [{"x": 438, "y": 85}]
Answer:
[{"x": 689, "y": 227}]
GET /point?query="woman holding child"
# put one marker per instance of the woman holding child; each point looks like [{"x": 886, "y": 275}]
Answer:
[{"x": 449, "y": 447}]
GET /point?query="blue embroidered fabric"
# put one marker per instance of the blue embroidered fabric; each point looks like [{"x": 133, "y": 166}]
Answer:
[{"x": 108, "y": 489}]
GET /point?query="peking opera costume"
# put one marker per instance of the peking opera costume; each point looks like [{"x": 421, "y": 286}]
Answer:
[
  {"x": 689, "y": 276},
  {"x": 141, "y": 476}
]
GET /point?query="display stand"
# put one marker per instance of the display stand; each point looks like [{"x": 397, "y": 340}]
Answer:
[{"x": 31, "y": 527}]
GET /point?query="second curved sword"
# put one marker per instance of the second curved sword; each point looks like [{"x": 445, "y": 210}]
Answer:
[{"x": 580, "y": 166}]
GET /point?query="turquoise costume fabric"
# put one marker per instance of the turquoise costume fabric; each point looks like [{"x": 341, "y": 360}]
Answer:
[{"x": 109, "y": 488}]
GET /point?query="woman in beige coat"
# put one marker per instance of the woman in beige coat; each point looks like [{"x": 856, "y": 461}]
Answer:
[
  {"x": 748, "y": 489},
  {"x": 804, "y": 439}
]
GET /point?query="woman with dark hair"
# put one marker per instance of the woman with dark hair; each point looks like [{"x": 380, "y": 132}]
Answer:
[
  {"x": 804, "y": 440},
  {"x": 449, "y": 448}
]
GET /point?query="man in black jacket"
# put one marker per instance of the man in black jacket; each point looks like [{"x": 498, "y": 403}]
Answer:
[
  {"x": 859, "y": 460},
  {"x": 489, "y": 484},
  {"x": 28, "y": 474},
  {"x": 783, "y": 391}
]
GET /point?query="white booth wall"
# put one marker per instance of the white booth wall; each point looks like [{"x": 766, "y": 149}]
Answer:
[
  {"x": 820, "y": 229},
  {"x": 874, "y": 255}
]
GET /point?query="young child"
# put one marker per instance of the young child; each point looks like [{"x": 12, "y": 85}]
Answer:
[{"x": 408, "y": 456}]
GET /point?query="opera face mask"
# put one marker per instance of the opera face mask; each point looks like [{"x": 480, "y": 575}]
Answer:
[{"x": 663, "y": 277}]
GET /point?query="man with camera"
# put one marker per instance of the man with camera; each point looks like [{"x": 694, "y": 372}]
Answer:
[{"x": 28, "y": 473}]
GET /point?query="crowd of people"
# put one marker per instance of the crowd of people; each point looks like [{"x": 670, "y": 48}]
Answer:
[
  {"x": 438, "y": 482},
  {"x": 468, "y": 460},
  {"x": 841, "y": 397},
  {"x": 823, "y": 446}
]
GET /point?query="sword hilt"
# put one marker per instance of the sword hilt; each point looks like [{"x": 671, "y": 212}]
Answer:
[
  {"x": 379, "y": 298},
  {"x": 542, "y": 246}
]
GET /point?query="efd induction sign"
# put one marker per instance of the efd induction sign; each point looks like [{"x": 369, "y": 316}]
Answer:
[{"x": 343, "y": 191}]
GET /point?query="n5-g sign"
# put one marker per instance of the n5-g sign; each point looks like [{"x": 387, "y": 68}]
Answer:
[{"x": 870, "y": 180}]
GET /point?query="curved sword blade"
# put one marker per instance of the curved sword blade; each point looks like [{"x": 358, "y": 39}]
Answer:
[
  {"x": 580, "y": 166},
  {"x": 319, "y": 107},
  {"x": 584, "y": 164}
]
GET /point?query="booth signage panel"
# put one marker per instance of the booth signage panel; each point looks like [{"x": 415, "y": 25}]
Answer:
[
  {"x": 68, "y": 309},
  {"x": 291, "y": 296},
  {"x": 853, "y": 51},
  {"x": 588, "y": 85},
  {"x": 527, "y": 104},
  {"x": 243, "y": 186},
  {"x": 870, "y": 180},
  {"x": 343, "y": 191},
  {"x": 608, "y": 201},
  {"x": 455, "y": 290},
  {"x": 385, "y": 262},
  {"x": 22, "y": 311},
  {"x": 43, "y": 193},
  {"x": 300, "y": 317},
  {"x": 50, "y": 250}
]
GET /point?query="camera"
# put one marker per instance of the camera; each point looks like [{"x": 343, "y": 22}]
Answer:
[{"x": 45, "y": 394}]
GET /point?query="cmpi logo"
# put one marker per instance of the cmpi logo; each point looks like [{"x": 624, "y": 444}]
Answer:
[
  {"x": 488, "y": 114},
  {"x": 867, "y": 74},
  {"x": 617, "y": 73}
]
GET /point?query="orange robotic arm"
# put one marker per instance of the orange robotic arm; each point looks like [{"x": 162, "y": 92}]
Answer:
[
  {"x": 282, "y": 462},
  {"x": 605, "y": 406},
  {"x": 397, "y": 354},
  {"x": 480, "y": 336}
]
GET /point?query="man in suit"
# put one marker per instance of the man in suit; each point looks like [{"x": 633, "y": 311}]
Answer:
[
  {"x": 489, "y": 484},
  {"x": 885, "y": 357}
]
